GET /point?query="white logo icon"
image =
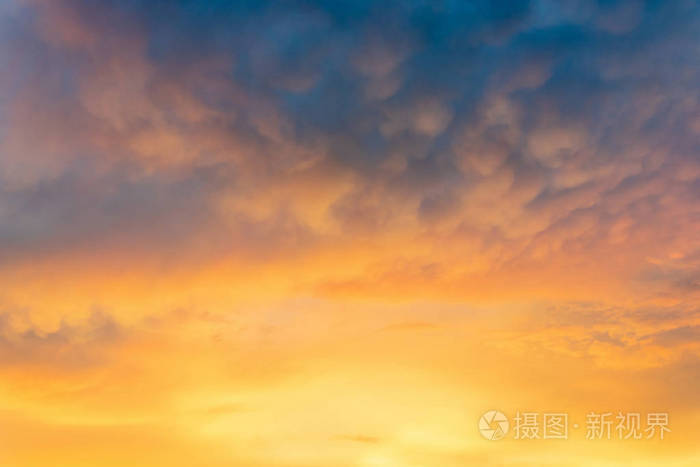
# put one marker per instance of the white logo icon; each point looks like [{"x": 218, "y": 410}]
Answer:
[{"x": 493, "y": 425}]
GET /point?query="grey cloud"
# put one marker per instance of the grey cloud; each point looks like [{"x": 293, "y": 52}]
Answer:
[
  {"x": 676, "y": 336},
  {"x": 72, "y": 346},
  {"x": 523, "y": 118}
]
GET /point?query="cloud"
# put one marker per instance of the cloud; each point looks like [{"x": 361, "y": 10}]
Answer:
[
  {"x": 270, "y": 102},
  {"x": 71, "y": 346},
  {"x": 676, "y": 336},
  {"x": 512, "y": 186}
]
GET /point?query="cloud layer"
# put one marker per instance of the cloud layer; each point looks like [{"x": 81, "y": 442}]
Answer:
[{"x": 184, "y": 180}]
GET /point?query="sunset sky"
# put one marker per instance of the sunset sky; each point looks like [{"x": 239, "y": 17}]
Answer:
[{"x": 314, "y": 233}]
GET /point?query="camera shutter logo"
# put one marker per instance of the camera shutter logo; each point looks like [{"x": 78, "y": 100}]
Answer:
[{"x": 493, "y": 425}]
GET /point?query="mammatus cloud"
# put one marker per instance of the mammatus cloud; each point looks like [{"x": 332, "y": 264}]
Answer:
[{"x": 321, "y": 183}]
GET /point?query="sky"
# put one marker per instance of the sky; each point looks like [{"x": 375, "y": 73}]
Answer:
[{"x": 309, "y": 233}]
